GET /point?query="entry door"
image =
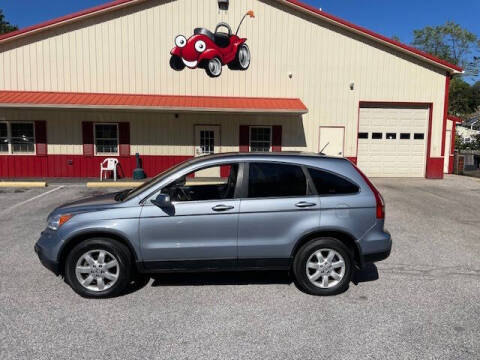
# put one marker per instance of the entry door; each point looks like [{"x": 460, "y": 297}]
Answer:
[
  {"x": 332, "y": 140},
  {"x": 448, "y": 144},
  {"x": 207, "y": 142}
]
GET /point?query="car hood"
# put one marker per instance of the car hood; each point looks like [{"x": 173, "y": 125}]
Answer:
[{"x": 93, "y": 203}]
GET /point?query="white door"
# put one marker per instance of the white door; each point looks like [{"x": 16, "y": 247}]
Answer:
[
  {"x": 207, "y": 141},
  {"x": 392, "y": 142},
  {"x": 332, "y": 140},
  {"x": 448, "y": 148}
]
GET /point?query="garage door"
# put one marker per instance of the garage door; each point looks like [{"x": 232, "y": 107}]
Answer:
[{"x": 392, "y": 141}]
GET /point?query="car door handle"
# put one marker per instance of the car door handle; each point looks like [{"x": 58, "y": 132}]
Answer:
[
  {"x": 304, "y": 204},
  {"x": 222, "y": 208}
]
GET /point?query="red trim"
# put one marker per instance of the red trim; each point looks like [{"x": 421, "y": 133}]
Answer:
[
  {"x": 41, "y": 138},
  {"x": 87, "y": 138},
  {"x": 433, "y": 168},
  {"x": 30, "y": 166},
  {"x": 375, "y": 35},
  {"x": 276, "y": 138},
  {"x": 445, "y": 112},
  {"x": 319, "y": 137},
  {"x": 455, "y": 119},
  {"x": 124, "y": 139},
  {"x": 65, "y": 18},
  {"x": 452, "y": 147},
  {"x": 352, "y": 159},
  {"x": 161, "y": 102},
  {"x": 244, "y": 138}
]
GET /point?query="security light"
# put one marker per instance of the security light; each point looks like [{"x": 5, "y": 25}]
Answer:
[{"x": 223, "y": 4}]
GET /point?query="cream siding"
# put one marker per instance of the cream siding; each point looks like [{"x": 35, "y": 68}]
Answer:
[{"x": 127, "y": 51}]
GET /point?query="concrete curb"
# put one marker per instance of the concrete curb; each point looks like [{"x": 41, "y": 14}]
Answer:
[
  {"x": 22, "y": 184},
  {"x": 107, "y": 184}
]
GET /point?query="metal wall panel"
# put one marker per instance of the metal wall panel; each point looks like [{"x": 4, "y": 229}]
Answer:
[{"x": 127, "y": 51}]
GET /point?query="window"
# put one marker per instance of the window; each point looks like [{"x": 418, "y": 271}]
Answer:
[
  {"x": 405, "y": 136},
  {"x": 211, "y": 183},
  {"x": 391, "y": 136},
  {"x": 106, "y": 138},
  {"x": 377, "y": 135},
  {"x": 22, "y": 138},
  {"x": 363, "y": 135},
  {"x": 327, "y": 183},
  {"x": 17, "y": 137},
  {"x": 3, "y": 138},
  {"x": 276, "y": 180},
  {"x": 207, "y": 142},
  {"x": 419, "y": 136},
  {"x": 260, "y": 139}
]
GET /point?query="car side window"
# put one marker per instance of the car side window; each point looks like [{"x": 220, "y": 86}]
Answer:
[
  {"x": 211, "y": 183},
  {"x": 276, "y": 180},
  {"x": 327, "y": 183}
]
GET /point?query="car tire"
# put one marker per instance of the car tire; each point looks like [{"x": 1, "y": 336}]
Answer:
[
  {"x": 176, "y": 63},
  {"x": 311, "y": 278},
  {"x": 101, "y": 278},
  {"x": 242, "y": 59},
  {"x": 213, "y": 67}
]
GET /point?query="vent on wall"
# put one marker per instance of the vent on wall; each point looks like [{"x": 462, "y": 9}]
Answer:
[{"x": 223, "y": 4}]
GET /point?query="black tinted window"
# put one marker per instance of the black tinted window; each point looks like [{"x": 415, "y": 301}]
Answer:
[
  {"x": 327, "y": 183},
  {"x": 276, "y": 180}
]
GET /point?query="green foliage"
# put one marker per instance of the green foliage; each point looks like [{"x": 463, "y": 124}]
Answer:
[
  {"x": 452, "y": 43},
  {"x": 472, "y": 145},
  {"x": 464, "y": 98},
  {"x": 5, "y": 26}
]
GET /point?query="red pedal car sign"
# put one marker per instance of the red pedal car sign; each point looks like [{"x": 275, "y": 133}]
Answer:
[{"x": 210, "y": 51}]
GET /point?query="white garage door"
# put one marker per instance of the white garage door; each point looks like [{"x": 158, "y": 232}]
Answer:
[{"x": 392, "y": 141}]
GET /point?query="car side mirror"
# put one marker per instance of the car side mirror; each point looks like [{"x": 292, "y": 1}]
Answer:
[{"x": 162, "y": 201}]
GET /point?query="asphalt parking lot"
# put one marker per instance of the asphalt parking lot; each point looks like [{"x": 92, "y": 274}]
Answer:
[{"x": 424, "y": 303}]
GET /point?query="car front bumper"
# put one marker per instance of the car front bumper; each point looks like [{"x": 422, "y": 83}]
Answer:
[{"x": 46, "y": 249}]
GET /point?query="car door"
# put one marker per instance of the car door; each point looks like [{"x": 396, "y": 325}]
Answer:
[
  {"x": 192, "y": 232},
  {"x": 280, "y": 206}
]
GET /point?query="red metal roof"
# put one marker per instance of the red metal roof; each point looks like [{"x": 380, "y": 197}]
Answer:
[
  {"x": 153, "y": 102},
  {"x": 122, "y": 3}
]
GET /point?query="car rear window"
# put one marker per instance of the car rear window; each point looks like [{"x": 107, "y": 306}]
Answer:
[
  {"x": 327, "y": 183},
  {"x": 276, "y": 180}
]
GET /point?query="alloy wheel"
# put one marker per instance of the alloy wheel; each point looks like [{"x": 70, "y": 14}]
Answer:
[
  {"x": 97, "y": 270},
  {"x": 325, "y": 268}
]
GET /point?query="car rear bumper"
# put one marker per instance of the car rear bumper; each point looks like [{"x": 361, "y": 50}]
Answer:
[{"x": 381, "y": 249}]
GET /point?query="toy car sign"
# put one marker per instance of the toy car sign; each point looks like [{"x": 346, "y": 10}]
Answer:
[{"x": 210, "y": 51}]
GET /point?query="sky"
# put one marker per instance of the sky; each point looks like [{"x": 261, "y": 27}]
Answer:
[{"x": 387, "y": 17}]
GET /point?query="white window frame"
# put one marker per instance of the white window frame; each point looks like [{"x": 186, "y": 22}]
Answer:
[
  {"x": 9, "y": 138},
  {"x": 95, "y": 140},
  {"x": 259, "y": 127}
]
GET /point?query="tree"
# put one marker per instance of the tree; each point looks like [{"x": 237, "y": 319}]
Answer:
[
  {"x": 5, "y": 26},
  {"x": 452, "y": 43},
  {"x": 464, "y": 99}
]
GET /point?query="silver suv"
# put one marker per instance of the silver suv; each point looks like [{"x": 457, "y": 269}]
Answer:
[{"x": 317, "y": 216}]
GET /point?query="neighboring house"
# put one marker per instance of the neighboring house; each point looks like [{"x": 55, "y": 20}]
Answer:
[
  {"x": 467, "y": 133},
  {"x": 101, "y": 83}
]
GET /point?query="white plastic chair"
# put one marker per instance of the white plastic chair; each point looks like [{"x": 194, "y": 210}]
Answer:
[{"x": 109, "y": 164}]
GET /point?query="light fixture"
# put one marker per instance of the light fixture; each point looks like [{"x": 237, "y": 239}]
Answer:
[
  {"x": 223, "y": 4},
  {"x": 352, "y": 86}
]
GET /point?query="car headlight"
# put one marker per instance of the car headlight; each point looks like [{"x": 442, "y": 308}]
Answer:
[{"x": 55, "y": 222}]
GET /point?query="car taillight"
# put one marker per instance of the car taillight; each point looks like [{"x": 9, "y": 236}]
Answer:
[{"x": 378, "y": 197}]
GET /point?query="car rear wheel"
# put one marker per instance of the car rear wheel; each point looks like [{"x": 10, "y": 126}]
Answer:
[
  {"x": 323, "y": 267},
  {"x": 98, "y": 268},
  {"x": 242, "y": 58},
  {"x": 214, "y": 67}
]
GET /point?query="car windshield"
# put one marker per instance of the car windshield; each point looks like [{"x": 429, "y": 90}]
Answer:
[{"x": 131, "y": 193}]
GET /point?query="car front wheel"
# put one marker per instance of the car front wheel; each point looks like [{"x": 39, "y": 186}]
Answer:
[
  {"x": 214, "y": 67},
  {"x": 98, "y": 268},
  {"x": 323, "y": 267}
]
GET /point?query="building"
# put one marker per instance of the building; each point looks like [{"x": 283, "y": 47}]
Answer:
[
  {"x": 103, "y": 83},
  {"x": 467, "y": 133}
]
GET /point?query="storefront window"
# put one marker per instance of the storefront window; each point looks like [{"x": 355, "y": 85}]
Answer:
[
  {"x": 3, "y": 138},
  {"x": 22, "y": 138},
  {"x": 260, "y": 139},
  {"x": 106, "y": 139}
]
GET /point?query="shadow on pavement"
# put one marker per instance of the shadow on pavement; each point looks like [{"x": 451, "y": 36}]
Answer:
[{"x": 222, "y": 278}]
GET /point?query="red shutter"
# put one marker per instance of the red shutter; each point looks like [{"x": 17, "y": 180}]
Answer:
[
  {"x": 276, "y": 138},
  {"x": 41, "y": 137},
  {"x": 124, "y": 139},
  {"x": 87, "y": 135},
  {"x": 244, "y": 141}
]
